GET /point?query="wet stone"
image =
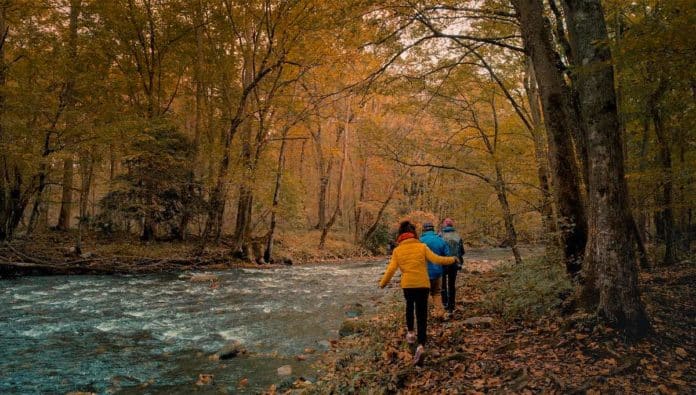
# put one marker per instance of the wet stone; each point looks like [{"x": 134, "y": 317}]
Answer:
[
  {"x": 285, "y": 370},
  {"x": 230, "y": 350},
  {"x": 354, "y": 310}
]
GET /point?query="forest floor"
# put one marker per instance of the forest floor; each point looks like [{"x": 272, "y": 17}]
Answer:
[
  {"x": 527, "y": 346},
  {"x": 53, "y": 253}
]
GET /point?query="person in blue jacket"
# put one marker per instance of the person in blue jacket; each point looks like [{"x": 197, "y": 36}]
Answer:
[{"x": 439, "y": 247}]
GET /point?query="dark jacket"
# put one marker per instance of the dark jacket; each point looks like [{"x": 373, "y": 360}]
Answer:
[{"x": 454, "y": 241}]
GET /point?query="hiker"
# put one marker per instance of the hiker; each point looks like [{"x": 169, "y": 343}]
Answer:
[
  {"x": 410, "y": 257},
  {"x": 449, "y": 275},
  {"x": 439, "y": 247}
]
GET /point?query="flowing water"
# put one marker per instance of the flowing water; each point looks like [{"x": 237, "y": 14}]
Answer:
[{"x": 154, "y": 333}]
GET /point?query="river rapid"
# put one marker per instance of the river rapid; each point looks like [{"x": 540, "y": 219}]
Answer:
[{"x": 155, "y": 333}]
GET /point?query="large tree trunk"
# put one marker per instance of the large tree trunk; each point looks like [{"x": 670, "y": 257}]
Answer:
[
  {"x": 611, "y": 266},
  {"x": 66, "y": 197},
  {"x": 560, "y": 120}
]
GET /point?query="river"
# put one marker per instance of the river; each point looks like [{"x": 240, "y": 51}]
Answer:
[{"x": 155, "y": 333}]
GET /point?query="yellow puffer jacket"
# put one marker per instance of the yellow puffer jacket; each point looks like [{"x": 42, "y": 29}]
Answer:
[{"x": 410, "y": 257}]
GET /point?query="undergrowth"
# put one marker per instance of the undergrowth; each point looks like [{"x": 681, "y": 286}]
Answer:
[{"x": 528, "y": 290}]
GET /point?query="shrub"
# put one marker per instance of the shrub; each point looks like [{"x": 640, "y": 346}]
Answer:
[{"x": 528, "y": 290}]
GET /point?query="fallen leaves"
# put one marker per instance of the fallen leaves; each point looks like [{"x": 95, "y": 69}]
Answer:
[{"x": 550, "y": 355}]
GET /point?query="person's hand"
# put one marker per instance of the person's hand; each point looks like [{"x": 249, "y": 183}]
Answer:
[{"x": 457, "y": 260}]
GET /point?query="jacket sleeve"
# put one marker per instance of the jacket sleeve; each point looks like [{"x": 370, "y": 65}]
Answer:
[
  {"x": 391, "y": 269},
  {"x": 461, "y": 247},
  {"x": 437, "y": 259}
]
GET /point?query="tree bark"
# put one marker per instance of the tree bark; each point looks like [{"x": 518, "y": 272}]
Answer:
[
  {"x": 66, "y": 200},
  {"x": 548, "y": 220},
  {"x": 666, "y": 213},
  {"x": 86, "y": 173},
  {"x": 561, "y": 122},
  {"x": 611, "y": 267},
  {"x": 357, "y": 213},
  {"x": 339, "y": 192},
  {"x": 268, "y": 253}
]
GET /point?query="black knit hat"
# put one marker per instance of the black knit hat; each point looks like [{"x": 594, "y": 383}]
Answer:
[{"x": 428, "y": 226}]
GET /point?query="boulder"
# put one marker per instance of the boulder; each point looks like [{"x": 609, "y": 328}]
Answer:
[
  {"x": 350, "y": 327},
  {"x": 285, "y": 370},
  {"x": 230, "y": 350},
  {"x": 484, "y": 322}
]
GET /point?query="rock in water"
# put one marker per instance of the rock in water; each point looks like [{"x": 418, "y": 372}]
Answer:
[
  {"x": 484, "y": 322},
  {"x": 354, "y": 310},
  {"x": 205, "y": 379},
  {"x": 285, "y": 370},
  {"x": 324, "y": 343},
  {"x": 230, "y": 350},
  {"x": 203, "y": 277},
  {"x": 350, "y": 327}
]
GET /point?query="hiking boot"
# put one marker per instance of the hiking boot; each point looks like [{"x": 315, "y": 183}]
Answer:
[
  {"x": 419, "y": 355},
  {"x": 410, "y": 337}
]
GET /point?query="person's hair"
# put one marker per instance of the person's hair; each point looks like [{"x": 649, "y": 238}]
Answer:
[{"x": 406, "y": 227}]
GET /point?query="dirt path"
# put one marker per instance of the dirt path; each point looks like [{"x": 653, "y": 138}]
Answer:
[{"x": 551, "y": 354}]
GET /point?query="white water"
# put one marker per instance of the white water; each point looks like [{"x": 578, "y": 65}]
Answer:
[{"x": 117, "y": 334}]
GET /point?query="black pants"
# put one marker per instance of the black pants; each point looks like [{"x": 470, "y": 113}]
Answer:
[
  {"x": 417, "y": 299},
  {"x": 449, "y": 279}
]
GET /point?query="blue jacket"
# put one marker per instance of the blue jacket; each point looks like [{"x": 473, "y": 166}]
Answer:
[{"x": 439, "y": 247}]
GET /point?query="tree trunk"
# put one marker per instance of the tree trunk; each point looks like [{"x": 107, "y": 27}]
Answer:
[
  {"x": 324, "y": 167},
  {"x": 339, "y": 191},
  {"x": 666, "y": 214},
  {"x": 610, "y": 259},
  {"x": 380, "y": 212},
  {"x": 510, "y": 232},
  {"x": 561, "y": 121},
  {"x": 361, "y": 196},
  {"x": 268, "y": 253},
  {"x": 66, "y": 200},
  {"x": 86, "y": 172},
  {"x": 548, "y": 220},
  {"x": 42, "y": 177}
]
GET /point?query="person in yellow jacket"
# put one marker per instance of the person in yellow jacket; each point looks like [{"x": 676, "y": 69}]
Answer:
[{"x": 411, "y": 257}]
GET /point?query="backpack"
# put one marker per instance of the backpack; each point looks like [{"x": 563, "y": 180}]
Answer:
[{"x": 454, "y": 242}]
